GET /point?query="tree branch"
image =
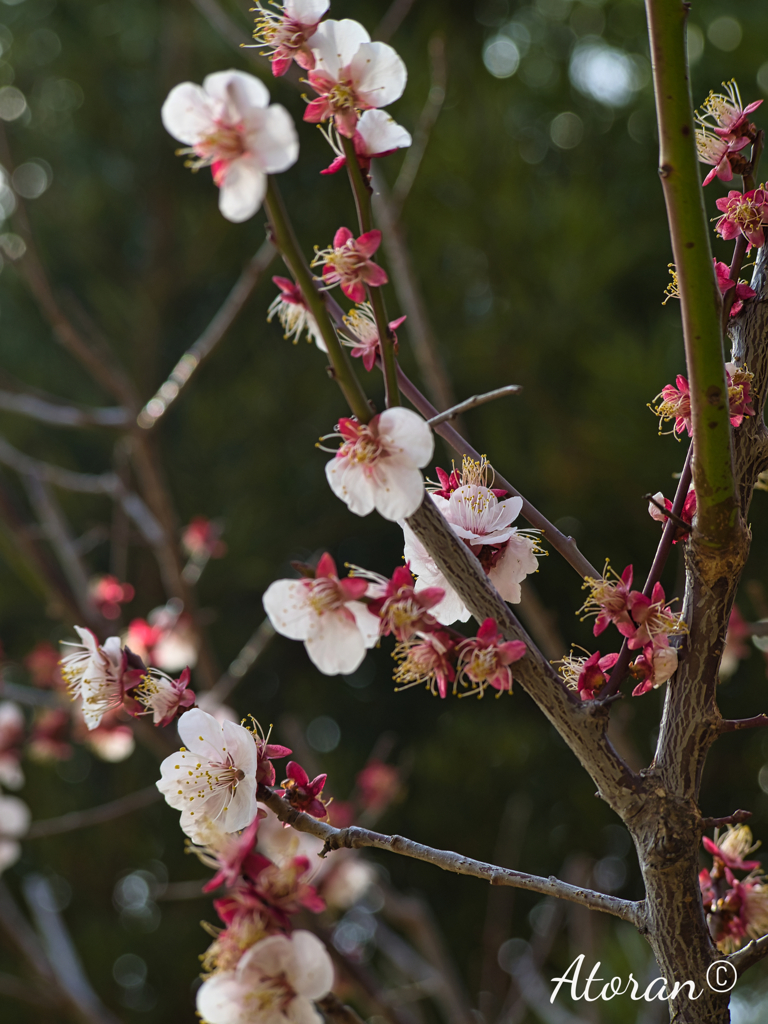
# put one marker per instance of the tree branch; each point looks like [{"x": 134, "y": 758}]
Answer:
[
  {"x": 93, "y": 815},
  {"x": 473, "y": 402},
  {"x": 700, "y": 300},
  {"x": 749, "y": 955},
  {"x": 179, "y": 376},
  {"x": 62, "y": 415},
  {"x": 358, "y": 838},
  {"x": 737, "y": 724}
]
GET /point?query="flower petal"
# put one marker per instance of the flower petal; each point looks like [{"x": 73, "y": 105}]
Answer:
[
  {"x": 306, "y": 12},
  {"x": 409, "y": 433},
  {"x": 335, "y": 44},
  {"x": 271, "y": 136},
  {"x": 186, "y": 113},
  {"x": 242, "y": 190},
  {"x": 378, "y": 73},
  {"x": 381, "y": 134},
  {"x": 336, "y": 645},
  {"x": 237, "y": 91},
  {"x": 285, "y": 602}
]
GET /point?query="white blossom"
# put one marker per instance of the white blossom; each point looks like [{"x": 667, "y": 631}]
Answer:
[
  {"x": 378, "y": 465},
  {"x": 11, "y": 738},
  {"x": 213, "y": 776},
  {"x": 275, "y": 982},
  {"x": 228, "y": 124},
  {"x": 14, "y": 823},
  {"x": 94, "y": 674}
]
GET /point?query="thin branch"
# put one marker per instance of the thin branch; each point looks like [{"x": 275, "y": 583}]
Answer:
[
  {"x": 62, "y": 415},
  {"x": 233, "y": 305},
  {"x": 737, "y": 724},
  {"x": 473, "y": 402},
  {"x": 654, "y": 573},
  {"x": 392, "y": 20},
  {"x": 749, "y": 955},
  {"x": 93, "y": 815},
  {"x": 357, "y": 838},
  {"x": 700, "y": 304},
  {"x": 61, "y": 951},
  {"x": 737, "y": 818},
  {"x": 252, "y": 649},
  {"x": 31, "y": 696},
  {"x": 429, "y": 115},
  {"x": 668, "y": 513}
]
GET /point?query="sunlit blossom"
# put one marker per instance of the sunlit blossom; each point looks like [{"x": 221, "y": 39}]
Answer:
[
  {"x": 284, "y": 31},
  {"x": 295, "y": 317},
  {"x": 348, "y": 263}
]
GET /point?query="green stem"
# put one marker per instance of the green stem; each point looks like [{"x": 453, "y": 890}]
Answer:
[
  {"x": 699, "y": 296},
  {"x": 362, "y": 192},
  {"x": 285, "y": 239}
]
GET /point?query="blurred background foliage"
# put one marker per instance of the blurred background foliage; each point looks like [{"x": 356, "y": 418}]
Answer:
[{"x": 538, "y": 234}]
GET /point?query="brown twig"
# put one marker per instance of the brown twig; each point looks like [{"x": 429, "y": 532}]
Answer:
[
  {"x": 473, "y": 402},
  {"x": 232, "y": 306},
  {"x": 94, "y": 815},
  {"x": 668, "y": 513},
  {"x": 737, "y": 818},
  {"x": 749, "y": 955},
  {"x": 357, "y": 838},
  {"x": 737, "y": 724},
  {"x": 62, "y": 415}
]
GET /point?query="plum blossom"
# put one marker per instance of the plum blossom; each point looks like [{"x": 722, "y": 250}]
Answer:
[
  {"x": 428, "y": 659},
  {"x": 327, "y": 614},
  {"x": 675, "y": 402},
  {"x": 720, "y": 153},
  {"x": 11, "y": 742},
  {"x": 276, "y": 981},
  {"x": 110, "y": 741},
  {"x": 656, "y": 664},
  {"x": 228, "y": 125},
  {"x": 50, "y": 736},
  {"x": 401, "y": 609},
  {"x": 731, "y": 848},
  {"x": 348, "y": 263},
  {"x": 165, "y": 639},
  {"x": 739, "y": 381},
  {"x": 351, "y": 74},
  {"x": 743, "y": 213},
  {"x": 587, "y": 675},
  {"x": 213, "y": 776},
  {"x": 231, "y": 854},
  {"x": 285, "y": 32},
  {"x": 294, "y": 315},
  {"x": 163, "y": 697},
  {"x": 15, "y": 818},
  {"x": 726, "y": 113},
  {"x": 376, "y": 135},
  {"x": 652, "y": 620},
  {"x": 687, "y": 512},
  {"x": 97, "y": 675},
  {"x": 202, "y": 539},
  {"x": 484, "y": 660},
  {"x": 724, "y": 283},
  {"x": 305, "y": 794},
  {"x": 42, "y": 663},
  {"x": 363, "y": 336},
  {"x": 609, "y": 600},
  {"x": 377, "y": 785},
  {"x": 476, "y": 514},
  {"x": 108, "y": 593},
  {"x": 378, "y": 464}
]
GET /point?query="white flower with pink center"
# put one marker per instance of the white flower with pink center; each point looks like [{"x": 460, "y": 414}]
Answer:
[
  {"x": 228, "y": 125},
  {"x": 213, "y": 776},
  {"x": 379, "y": 463},
  {"x": 94, "y": 674},
  {"x": 275, "y": 982},
  {"x": 484, "y": 523},
  {"x": 14, "y": 823},
  {"x": 327, "y": 614},
  {"x": 286, "y": 30},
  {"x": 376, "y": 135},
  {"x": 351, "y": 74}
]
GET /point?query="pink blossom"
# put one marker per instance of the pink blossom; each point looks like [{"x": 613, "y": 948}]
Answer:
[
  {"x": 280, "y": 976},
  {"x": 609, "y": 601},
  {"x": 653, "y": 667},
  {"x": 427, "y": 658},
  {"x": 587, "y": 675},
  {"x": 731, "y": 848},
  {"x": 111, "y": 740},
  {"x": 228, "y": 125},
  {"x": 739, "y": 381},
  {"x": 108, "y": 593},
  {"x": 231, "y": 853},
  {"x": 363, "y": 336},
  {"x": 718, "y": 151},
  {"x": 377, "y": 785},
  {"x": 11, "y": 743},
  {"x": 745, "y": 214},
  {"x": 265, "y": 754},
  {"x": 42, "y": 663},
  {"x": 378, "y": 465},
  {"x": 351, "y": 74},
  {"x": 376, "y": 135},
  {"x": 653, "y": 620},
  {"x": 303, "y": 794},
  {"x": 348, "y": 263},
  {"x": 162, "y": 697},
  {"x": 50, "y": 735},
  {"x": 201, "y": 539},
  {"x": 675, "y": 405},
  {"x": 484, "y": 660},
  {"x": 724, "y": 283},
  {"x": 167, "y": 640},
  {"x": 401, "y": 609},
  {"x": 286, "y": 33},
  {"x": 687, "y": 512},
  {"x": 726, "y": 112},
  {"x": 327, "y": 614},
  {"x": 295, "y": 316},
  {"x": 99, "y": 676}
]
